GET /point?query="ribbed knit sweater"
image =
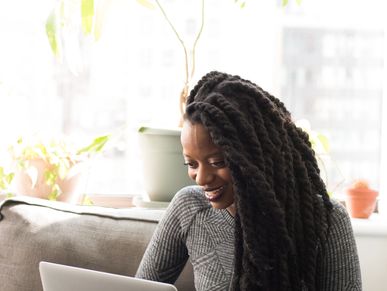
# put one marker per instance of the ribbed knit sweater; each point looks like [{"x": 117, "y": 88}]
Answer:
[{"x": 192, "y": 229}]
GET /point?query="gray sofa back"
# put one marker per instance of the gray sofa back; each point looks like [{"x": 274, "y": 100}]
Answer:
[{"x": 103, "y": 239}]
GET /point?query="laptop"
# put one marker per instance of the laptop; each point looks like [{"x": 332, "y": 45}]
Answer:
[{"x": 56, "y": 277}]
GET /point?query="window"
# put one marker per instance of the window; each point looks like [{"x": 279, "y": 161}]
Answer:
[
  {"x": 325, "y": 64},
  {"x": 334, "y": 77}
]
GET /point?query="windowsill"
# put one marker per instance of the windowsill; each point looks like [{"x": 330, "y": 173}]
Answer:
[
  {"x": 112, "y": 201},
  {"x": 375, "y": 225}
]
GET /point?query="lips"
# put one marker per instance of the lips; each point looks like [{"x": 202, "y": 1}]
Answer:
[{"x": 213, "y": 194}]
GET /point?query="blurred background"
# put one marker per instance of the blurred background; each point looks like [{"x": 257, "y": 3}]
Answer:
[{"x": 324, "y": 59}]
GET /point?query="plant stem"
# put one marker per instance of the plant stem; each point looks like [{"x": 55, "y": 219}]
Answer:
[
  {"x": 323, "y": 168},
  {"x": 196, "y": 41},
  {"x": 178, "y": 37},
  {"x": 188, "y": 77}
]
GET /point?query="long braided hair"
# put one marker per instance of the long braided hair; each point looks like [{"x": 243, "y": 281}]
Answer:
[{"x": 282, "y": 205}]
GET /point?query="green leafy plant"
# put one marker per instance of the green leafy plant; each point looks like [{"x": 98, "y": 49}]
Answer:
[{"x": 58, "y": 156}]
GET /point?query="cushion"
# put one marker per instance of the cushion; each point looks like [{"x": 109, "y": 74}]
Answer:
[{"x": 104, "y": 239}]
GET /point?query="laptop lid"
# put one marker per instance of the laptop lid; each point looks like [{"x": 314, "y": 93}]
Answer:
[{"x": 56, "y": 277}]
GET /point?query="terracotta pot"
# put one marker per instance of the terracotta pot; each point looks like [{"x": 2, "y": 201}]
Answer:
[
  {"x": 361, "y": 202},
  {"x": 32, "y": 182}
]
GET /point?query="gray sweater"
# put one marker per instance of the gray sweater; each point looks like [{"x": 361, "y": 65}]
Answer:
[{"x": 192, "y": 229}]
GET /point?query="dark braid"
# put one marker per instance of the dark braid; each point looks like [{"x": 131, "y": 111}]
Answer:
[{"x": 282, "y": 206}]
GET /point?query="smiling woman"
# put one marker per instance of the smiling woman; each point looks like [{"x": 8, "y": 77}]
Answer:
[
  {"x": 207, "y": 167},
  {"x": 260, "y": 217}
]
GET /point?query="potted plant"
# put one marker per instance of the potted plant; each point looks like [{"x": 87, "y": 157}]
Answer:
[
  {"x": 169, "y": 155},
  {"x": 51, "y": 170},
  {"x": 360, "y": 199},
  {"x": 164, "y": 172},
  {"x": 155, "y": 161}
]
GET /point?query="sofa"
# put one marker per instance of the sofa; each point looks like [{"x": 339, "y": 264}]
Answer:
[{"x": 103, "y": 239}]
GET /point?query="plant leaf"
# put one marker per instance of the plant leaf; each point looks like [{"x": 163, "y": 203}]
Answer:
[
  {"x": 142, "y": 129},
  {"x": 324, "y": 141},
  {"x": 32, "y": 172},
  {"x": 9, "y": 178},
  {"x": 96, "y": 146},
  {"x": 52, "y": 33},
  {"x": 87, "y": 13},
  {"x": 284, "y": 2},
  {"x": 50, "y": 177},
  {"x": 56, "y": 191},
  {"x": 63, "y": 168},
  {"x": 147, "y": 4},
  {"x": 87, "y": 201}
]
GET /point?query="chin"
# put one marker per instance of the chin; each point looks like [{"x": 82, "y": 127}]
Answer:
[{"x": 221, "y": 205}]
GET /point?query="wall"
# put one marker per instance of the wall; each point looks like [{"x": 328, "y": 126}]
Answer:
[{"x": 371, "y": 239}]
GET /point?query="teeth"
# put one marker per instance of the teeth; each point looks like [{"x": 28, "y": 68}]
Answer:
[
  {"x": 213, "y": 194},
  {"x": 213, "y": 190}
]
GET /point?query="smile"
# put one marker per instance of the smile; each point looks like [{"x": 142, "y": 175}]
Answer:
[{"x": 214, "y": 194}]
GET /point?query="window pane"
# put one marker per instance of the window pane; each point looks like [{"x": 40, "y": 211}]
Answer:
[{"x": 333, "y": 78}]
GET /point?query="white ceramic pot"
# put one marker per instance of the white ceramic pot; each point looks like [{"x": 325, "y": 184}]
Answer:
[{"x": 163, "y": 163}]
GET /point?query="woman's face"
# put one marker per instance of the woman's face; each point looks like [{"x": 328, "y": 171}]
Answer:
[{"x": 207, "y": 167}]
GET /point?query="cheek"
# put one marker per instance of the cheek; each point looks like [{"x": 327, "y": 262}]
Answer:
[
  {"x": 226, "y": 175},
  {"x": 191, "y": 173}
]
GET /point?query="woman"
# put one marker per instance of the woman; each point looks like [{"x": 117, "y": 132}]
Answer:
[{"x": 260, "y": 217}]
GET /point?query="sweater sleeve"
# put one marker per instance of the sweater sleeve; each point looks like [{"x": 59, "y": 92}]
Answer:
[
  {"x": 339, "y": 267},
  {"x": 167, "y": 254}
]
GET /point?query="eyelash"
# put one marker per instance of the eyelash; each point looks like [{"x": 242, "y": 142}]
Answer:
[
  {"x": 218, "y": 164},
  {"x": 189, "y": 164}
]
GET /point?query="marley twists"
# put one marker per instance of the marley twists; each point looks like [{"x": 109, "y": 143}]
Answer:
[{"x": 280, "y": 220}]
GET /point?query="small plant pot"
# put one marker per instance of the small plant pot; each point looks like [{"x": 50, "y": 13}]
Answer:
[
  {"x": 31, "y": 182},
  {"x": 360, "y": 203}
]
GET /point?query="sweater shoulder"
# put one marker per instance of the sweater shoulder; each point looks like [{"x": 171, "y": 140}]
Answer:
[
  {"x": 339, "y": 215},
  {"x": 186, "y": 204},
  {"x": 191, "y": 197}
]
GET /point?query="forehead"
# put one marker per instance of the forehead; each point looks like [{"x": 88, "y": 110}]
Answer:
[{"x": 196, "y": 137}]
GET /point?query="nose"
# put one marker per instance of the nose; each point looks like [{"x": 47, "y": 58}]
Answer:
[{"x": 203, "y": 176}]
